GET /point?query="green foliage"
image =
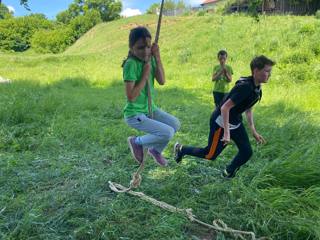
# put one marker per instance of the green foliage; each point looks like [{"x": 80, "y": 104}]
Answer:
[
  {"x": 298, "y": 57},
  {"x": 181, "y": 4},
  {"x": 25, "y": 4},
  {"x": 317, "y": 15},
  {"x": 16, "y": 33},
  {"x": 153, "y": 8},
  {"x": 108, "y": 10},
  {"x": 4, "y": 12},
  {"x": 81, "y": 24},
  {"x": 201, "y": 13},
  {"x": 254, "y": 5},
  {"x": 169, "y": 5},
  {"x": 52, "y": 41},
  {"x": 308, "y": 29},
  {"x": 64, "y": 17},
  {"x": 59, "y": 39}
]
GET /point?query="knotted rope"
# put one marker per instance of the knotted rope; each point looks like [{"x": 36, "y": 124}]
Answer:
[{"x": 217, "y": 225}]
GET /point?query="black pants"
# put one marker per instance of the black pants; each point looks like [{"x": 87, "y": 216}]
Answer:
[
  {"x": 215, "y": 146},
  {"x": 218, "y": 97}
]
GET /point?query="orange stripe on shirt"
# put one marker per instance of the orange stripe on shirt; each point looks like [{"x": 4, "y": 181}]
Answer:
[{"x": 214, "y": 144}]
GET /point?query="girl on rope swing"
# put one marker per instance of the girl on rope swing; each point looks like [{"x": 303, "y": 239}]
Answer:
[
  {"x": 226, "y": 120},
  {"x": 142, "y": 65}
]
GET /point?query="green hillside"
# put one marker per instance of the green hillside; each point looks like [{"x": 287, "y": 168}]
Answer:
[{"x": 62, "y": 135}]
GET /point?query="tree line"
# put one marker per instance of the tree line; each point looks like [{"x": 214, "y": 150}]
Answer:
[{"x": 48, "y": 36}]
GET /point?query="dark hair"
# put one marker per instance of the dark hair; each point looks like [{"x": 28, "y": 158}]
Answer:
[
  {"x": 136, "y": 34},
  {"x": 260, "y": 62},
  {"x": 222, "y": 53}
]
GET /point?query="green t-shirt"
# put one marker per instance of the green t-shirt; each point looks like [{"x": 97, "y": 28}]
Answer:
[
  {"x": 132, "y": 71},
  {"x": 221, "y": 84}
]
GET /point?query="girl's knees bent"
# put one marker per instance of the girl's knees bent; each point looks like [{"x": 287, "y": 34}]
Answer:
[
  {"x": 177, "y": 126},
  {"x": 168, "y": 133}
]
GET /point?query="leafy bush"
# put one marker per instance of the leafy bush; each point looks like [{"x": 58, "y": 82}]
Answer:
[
  {"x": 83, "y": 23},
  {"x": 16, "y": 33},
  {"x": 59, "y": 39},
  {"x": 317, "y": 14},
  {"x": 52, "y": 41}
]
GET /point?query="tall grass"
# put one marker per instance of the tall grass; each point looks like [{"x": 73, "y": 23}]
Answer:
[{"x": 62, "y": 136}]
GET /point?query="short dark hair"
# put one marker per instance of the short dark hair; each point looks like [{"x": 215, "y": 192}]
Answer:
[
  {"x": 137, "y": 33},
  {"x": 222, "y": 53},
  {"x": 260, "y": 62}
]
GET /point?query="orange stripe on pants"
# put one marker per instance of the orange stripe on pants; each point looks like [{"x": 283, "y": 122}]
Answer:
[{"x": 214, "y": 144}]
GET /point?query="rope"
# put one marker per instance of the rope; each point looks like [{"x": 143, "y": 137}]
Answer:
[
  {"x": 217, "y": 225},
  {"x": 134, "y": 183},
  {"x": 156, "y": 41}
]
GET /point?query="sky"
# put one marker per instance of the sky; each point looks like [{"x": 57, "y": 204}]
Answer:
[{"x": 52, "y": 7}]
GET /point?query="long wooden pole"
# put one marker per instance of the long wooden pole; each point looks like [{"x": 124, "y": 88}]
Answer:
[{"x": 156, "y": 39}]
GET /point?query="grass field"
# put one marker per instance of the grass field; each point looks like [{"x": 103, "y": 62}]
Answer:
[{"x": 62, "y": 135}]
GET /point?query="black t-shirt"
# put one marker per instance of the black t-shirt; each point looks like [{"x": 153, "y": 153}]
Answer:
[{"x": 244, "y": 95}]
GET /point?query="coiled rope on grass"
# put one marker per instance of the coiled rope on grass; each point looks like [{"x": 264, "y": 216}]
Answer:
[{"x": 217, "y": 225}]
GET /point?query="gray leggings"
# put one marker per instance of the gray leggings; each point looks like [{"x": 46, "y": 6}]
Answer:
[{"x": 159, "y": 130}]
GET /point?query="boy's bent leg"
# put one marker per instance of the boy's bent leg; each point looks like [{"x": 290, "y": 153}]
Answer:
[
  {"x": 211, "y": 151},
  {"x": 241, "y": 139},
  {"x": 167, "y": 118}
]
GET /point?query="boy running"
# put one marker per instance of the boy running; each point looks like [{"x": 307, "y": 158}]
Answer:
[{"x": 226, "y": 120}]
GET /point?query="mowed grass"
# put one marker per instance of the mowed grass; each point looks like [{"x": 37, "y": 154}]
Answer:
[{"x": 62, "y": 135}]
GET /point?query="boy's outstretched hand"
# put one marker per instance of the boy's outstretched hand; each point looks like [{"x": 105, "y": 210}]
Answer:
[{"x": 259, "y": 138}]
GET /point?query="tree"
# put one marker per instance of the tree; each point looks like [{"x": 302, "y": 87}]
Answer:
[
  {"x": 108, "y": 9},
  {"x": 154, "y": 8},
  {"x": 64, "y": 17},
  {"x": 169, "y": 5},
  {"x": 25, "y": 4},
  {"x": 4, "y": 12},
  {"x": 15, "y": 33},
  {"x": 181, "y": 5}
]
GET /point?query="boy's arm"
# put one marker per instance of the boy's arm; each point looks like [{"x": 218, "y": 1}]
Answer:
[
  {"x": 159, "y": 74},
  {"x": 257, "y": 136},
  {"x": 132, "y": 89},
  {"x": 228, "y": 75},
  {"x": 217, "y": 74},
  {"x": 225, "y": 111},
  {"x": 249, "y": 115}
]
